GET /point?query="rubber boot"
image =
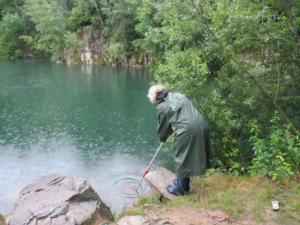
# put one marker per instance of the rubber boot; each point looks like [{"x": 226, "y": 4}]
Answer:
[
  {"x": 181, "y": 186},
  {"x": 175, "y": 181},
  {"x": 186, "y": 183},
  {"x": 179, "y": 189},
  {"x": 173, "y": 190}
]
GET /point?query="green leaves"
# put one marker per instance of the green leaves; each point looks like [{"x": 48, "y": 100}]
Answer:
[
  {"x": 230, "y": 58},
  {"x": 71, "y": 40},
  {"x": 278, "y": 155},
  {"x": 11, "y": 27},
  {"x": 51, "y": 23}
]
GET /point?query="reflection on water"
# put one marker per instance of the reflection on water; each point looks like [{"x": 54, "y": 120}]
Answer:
[{"x": 93, "y": 122}]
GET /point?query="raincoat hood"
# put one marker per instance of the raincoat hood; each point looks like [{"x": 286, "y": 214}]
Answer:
[{"x": 161, "y": 96}]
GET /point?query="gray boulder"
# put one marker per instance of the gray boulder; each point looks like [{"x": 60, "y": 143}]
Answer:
[
  {"x": 56, "y": 199},
  {"x": 87, "y": 38}
]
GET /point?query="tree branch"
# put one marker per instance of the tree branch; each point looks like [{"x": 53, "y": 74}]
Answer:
[
  {"x": 278, "y": 82},
  {"x": 198, "y": 103},
  {"x": 235, "y": 82},
  {"x": 99, "y": 15}
]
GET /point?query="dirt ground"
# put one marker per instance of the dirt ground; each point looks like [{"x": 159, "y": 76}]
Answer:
[
  {"x": 186, "y": 215},
  {"x": 189, "y": 216}
]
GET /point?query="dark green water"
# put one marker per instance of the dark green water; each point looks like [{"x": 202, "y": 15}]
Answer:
[{"x": 92, "y": 122}]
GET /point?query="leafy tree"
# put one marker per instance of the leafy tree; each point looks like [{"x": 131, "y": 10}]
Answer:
[
  {"x": 13, "y": 23},
  {"x": 86, "y": 13},
  {"x": 51, "y": 19},
  {"x": 11, "y": 28},
  {"x": 81, "y": 15},
  {"x": 277, "y": 155},
  {"x": 120, "y": 25},
  {"x": 251, "y": 51},
  {"x": 11, "y": 7}
]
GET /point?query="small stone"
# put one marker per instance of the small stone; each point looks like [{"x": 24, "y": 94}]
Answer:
[
  {"x": 151, "y": 205},
  {"x": 156, "y": 218},
  {"x": 133, "y": 220},
  {"x": 146, "y": 206},
  {"x": 164, "y": 222}
]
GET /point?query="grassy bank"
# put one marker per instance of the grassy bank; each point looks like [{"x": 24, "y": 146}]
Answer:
[{"x": 244, "y": 199}]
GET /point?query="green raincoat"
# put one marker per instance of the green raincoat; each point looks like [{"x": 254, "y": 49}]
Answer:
[{"x": 192, "y": 146}]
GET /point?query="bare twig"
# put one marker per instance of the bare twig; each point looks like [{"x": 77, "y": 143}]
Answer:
[
  {"x": 99, "y": 15},
  {"x": 235, "y": 82},
  {"x": 199, "y": 105},
  {"x": 278, "y": 84}
]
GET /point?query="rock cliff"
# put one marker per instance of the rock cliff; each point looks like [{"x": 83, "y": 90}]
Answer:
[{"x": 95, "y": 52}]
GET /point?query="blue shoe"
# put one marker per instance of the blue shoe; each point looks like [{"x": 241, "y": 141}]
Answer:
[
  {"x": 175, "y": 181},
  {"x": 173, "y": 190}
]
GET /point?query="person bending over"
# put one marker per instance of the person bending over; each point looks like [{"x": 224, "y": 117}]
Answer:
[{"x": 192, "y": 145}]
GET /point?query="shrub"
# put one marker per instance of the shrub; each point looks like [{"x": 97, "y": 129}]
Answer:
[{"x": 278, "y": 154}]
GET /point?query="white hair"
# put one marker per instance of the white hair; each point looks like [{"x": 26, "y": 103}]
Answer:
[{"x": 153, "y": 92}]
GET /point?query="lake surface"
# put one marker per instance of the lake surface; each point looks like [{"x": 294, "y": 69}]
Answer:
[{"x": 87, "y": 121}]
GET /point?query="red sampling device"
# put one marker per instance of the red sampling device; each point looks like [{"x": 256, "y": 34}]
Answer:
[{"x": 132, "y": 191}]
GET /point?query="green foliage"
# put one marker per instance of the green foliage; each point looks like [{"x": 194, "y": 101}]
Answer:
[
  {"x": 116, "y": 49},
  {"x": 11, "y": 7},
  {"x": 81, "y": 15},
  {"x": 236, "y": 60},
  {"x": 14, "y": 24},
  {"x": 77, "y": 21},
  {"x": 87, "y": 13},
  {"x": 10, "y": 28},
  {"x": 51, "y": 22},
  {"x": 120, "y": 25},
  {"x": 278, "y": 154},
  {"x": 115, "y": 18},
  {"x": 32, "y": 45},
  {"x": 148, "y": 199},
  {"x": 71, "y": 40}
]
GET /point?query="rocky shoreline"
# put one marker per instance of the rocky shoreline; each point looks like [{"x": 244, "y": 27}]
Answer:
[{"x": 57, "y": 199}]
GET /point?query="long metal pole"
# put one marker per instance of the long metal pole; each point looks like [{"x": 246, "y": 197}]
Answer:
[{"x": 150, "y": 164}]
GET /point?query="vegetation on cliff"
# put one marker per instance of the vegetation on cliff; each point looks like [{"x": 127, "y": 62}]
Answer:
[{"x": 239, "y": 62}]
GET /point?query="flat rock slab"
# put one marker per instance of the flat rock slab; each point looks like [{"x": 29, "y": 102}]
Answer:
[
  {"x": 56, "y": 199},
  {"x": 158, "y": 181},
  {"x": 134, "y": 220}
]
